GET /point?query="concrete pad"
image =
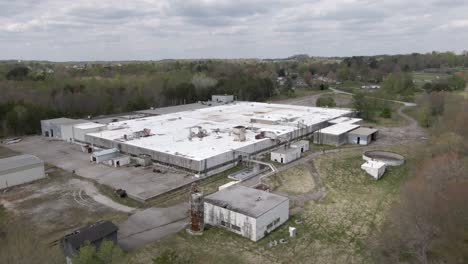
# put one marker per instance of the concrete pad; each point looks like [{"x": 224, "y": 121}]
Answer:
[
  {"x": 140, "y": 183},
  {"x": 151, "y": 225}
]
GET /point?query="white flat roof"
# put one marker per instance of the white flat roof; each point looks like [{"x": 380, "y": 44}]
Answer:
[
  {"x": 170, "y": 132},
  {"x": 245, "y": 200},
  {"x": 345, "y": 119},
  {"x": 338, "y": 129},
  {"x": 89, "y": 125},
  {"x": 374, "y": 164}
]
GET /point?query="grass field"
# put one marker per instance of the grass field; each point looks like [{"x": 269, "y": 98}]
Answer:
[
  {"x": 334, "y": 230},
  {"x": 420, "y": 78},
  {"x": 296, "y": 180}
]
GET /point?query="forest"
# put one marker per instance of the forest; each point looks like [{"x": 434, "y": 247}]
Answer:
[{"x": 35, "y": 90}]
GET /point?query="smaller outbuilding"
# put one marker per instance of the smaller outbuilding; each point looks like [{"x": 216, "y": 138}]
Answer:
[
  {"x": 285, "y": 155},
  {"x": 362, "y": 136},
  {"x": 20, "y": 169},
  {"x": 60, "y": 128},
  {"x": 95, "y": 234},
  {"x": 104, "y": 155},
  {"x": 334, "y": 135},
  {"x": 303, "y": 145},
  {"x": 248, "y": 212},
  {"x": 224, "y": 98},
  {"x": 118, "y": 161},
  {"x": 374, "y": 168}
]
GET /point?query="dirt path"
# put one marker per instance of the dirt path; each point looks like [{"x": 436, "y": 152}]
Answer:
[
  {"x": 152, "y": 224},
  {"x": 91, "y": 191}
]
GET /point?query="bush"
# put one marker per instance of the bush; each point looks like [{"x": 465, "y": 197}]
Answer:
[
  {"x": 386, "y": 112},
  {"x": 326, "y": 101}
]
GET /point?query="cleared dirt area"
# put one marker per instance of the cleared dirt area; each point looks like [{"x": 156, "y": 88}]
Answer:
[{"x": 56, "y": 205}]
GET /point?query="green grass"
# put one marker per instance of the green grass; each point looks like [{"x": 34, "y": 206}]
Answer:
[
  {"x": 395, "y": 121},
  {"x": 334, "y": 230}
]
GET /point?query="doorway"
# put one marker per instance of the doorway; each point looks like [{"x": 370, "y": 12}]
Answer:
[
  {"x": 358, "y": 140},
  {"x": 51, "y": 133},
  {"x": 302, "y": 149},
  {"x": 281, "y": 160},
  {"x": 117, "y": 164}
]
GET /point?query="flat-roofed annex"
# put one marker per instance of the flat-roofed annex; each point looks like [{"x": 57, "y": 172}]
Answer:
[{"x": 170, "y": 133}]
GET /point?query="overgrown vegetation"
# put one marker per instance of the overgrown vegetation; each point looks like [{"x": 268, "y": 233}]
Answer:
[
  {"x": 35, "y": 90},
  {"x": 428, "y": 224},
  {"x": 325, "y": 101}
]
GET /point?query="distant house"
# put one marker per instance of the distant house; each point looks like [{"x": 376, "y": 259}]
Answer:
[
  {"x": 94, "y": 234},
  {"x": 281, "y": 81},
  {"x": 370, "y": 87},
  {"x": 300, "y": 82}
]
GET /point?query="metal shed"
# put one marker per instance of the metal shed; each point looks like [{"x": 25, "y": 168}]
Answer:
[{"x": 20, "y": 169}]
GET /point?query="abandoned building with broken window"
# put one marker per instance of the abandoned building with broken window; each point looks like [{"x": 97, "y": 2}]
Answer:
[{"x": 246, "y": 211}]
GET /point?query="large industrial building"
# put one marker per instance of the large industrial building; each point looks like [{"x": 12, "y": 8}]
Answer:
[
  {"x": 20, "y": 169},
  {"x": 209, "y": 140},
  {"x": 246, "y": 211}
]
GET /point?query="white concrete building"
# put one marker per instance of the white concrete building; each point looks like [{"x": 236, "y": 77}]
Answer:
[
  {"x": 207, "y": 141},
  {"x": 104, "y": 155},
  {"x": 285, "y": 155},
  {"x": 362, "y": 136},
  {"x": 303, "y": 145},
  {"x": 224, "y": 98},
  {"x": 20, "y": 169},
  {"x": 246, "y": 211},
  {"x": 374, "y": 168},
  {"x": 118, "y": 161},
  {"x": 334, "y": 135},
  {"x": 80, "y": 130},
  {"x": 60, "y": 128}
]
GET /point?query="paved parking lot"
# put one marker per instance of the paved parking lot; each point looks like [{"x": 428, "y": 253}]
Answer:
[{"x": 140, "y": 183}]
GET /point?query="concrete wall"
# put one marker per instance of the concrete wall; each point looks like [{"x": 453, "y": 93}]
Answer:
[
  {"x": 104, "y": 157},
  {"x": 328, "y": 139},
  {"x": 302, "y": 144},
  {"x": 52, "y": 129},
  {"x": 287, "y": 157},
  {"x": 363, "y": 140},
  {"x": 67, "y": 133},
  {"x": 79, "y": 134},
  {"x": 281, "y": 211},
  {"x": 22, "y": 175},
  {"x": 212, "y": 163},
  {"x": 222, "y": 98},
  {"x": 215, "y": 214}
]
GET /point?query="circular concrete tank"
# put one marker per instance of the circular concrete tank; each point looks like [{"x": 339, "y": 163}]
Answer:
[{"x": 388, "y": 157}]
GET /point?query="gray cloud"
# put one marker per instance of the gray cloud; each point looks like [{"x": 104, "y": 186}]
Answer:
[{"x": 157, "y": 29}]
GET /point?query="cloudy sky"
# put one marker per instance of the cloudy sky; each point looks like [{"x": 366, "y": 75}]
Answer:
[{"x": 62, "y": 30}]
